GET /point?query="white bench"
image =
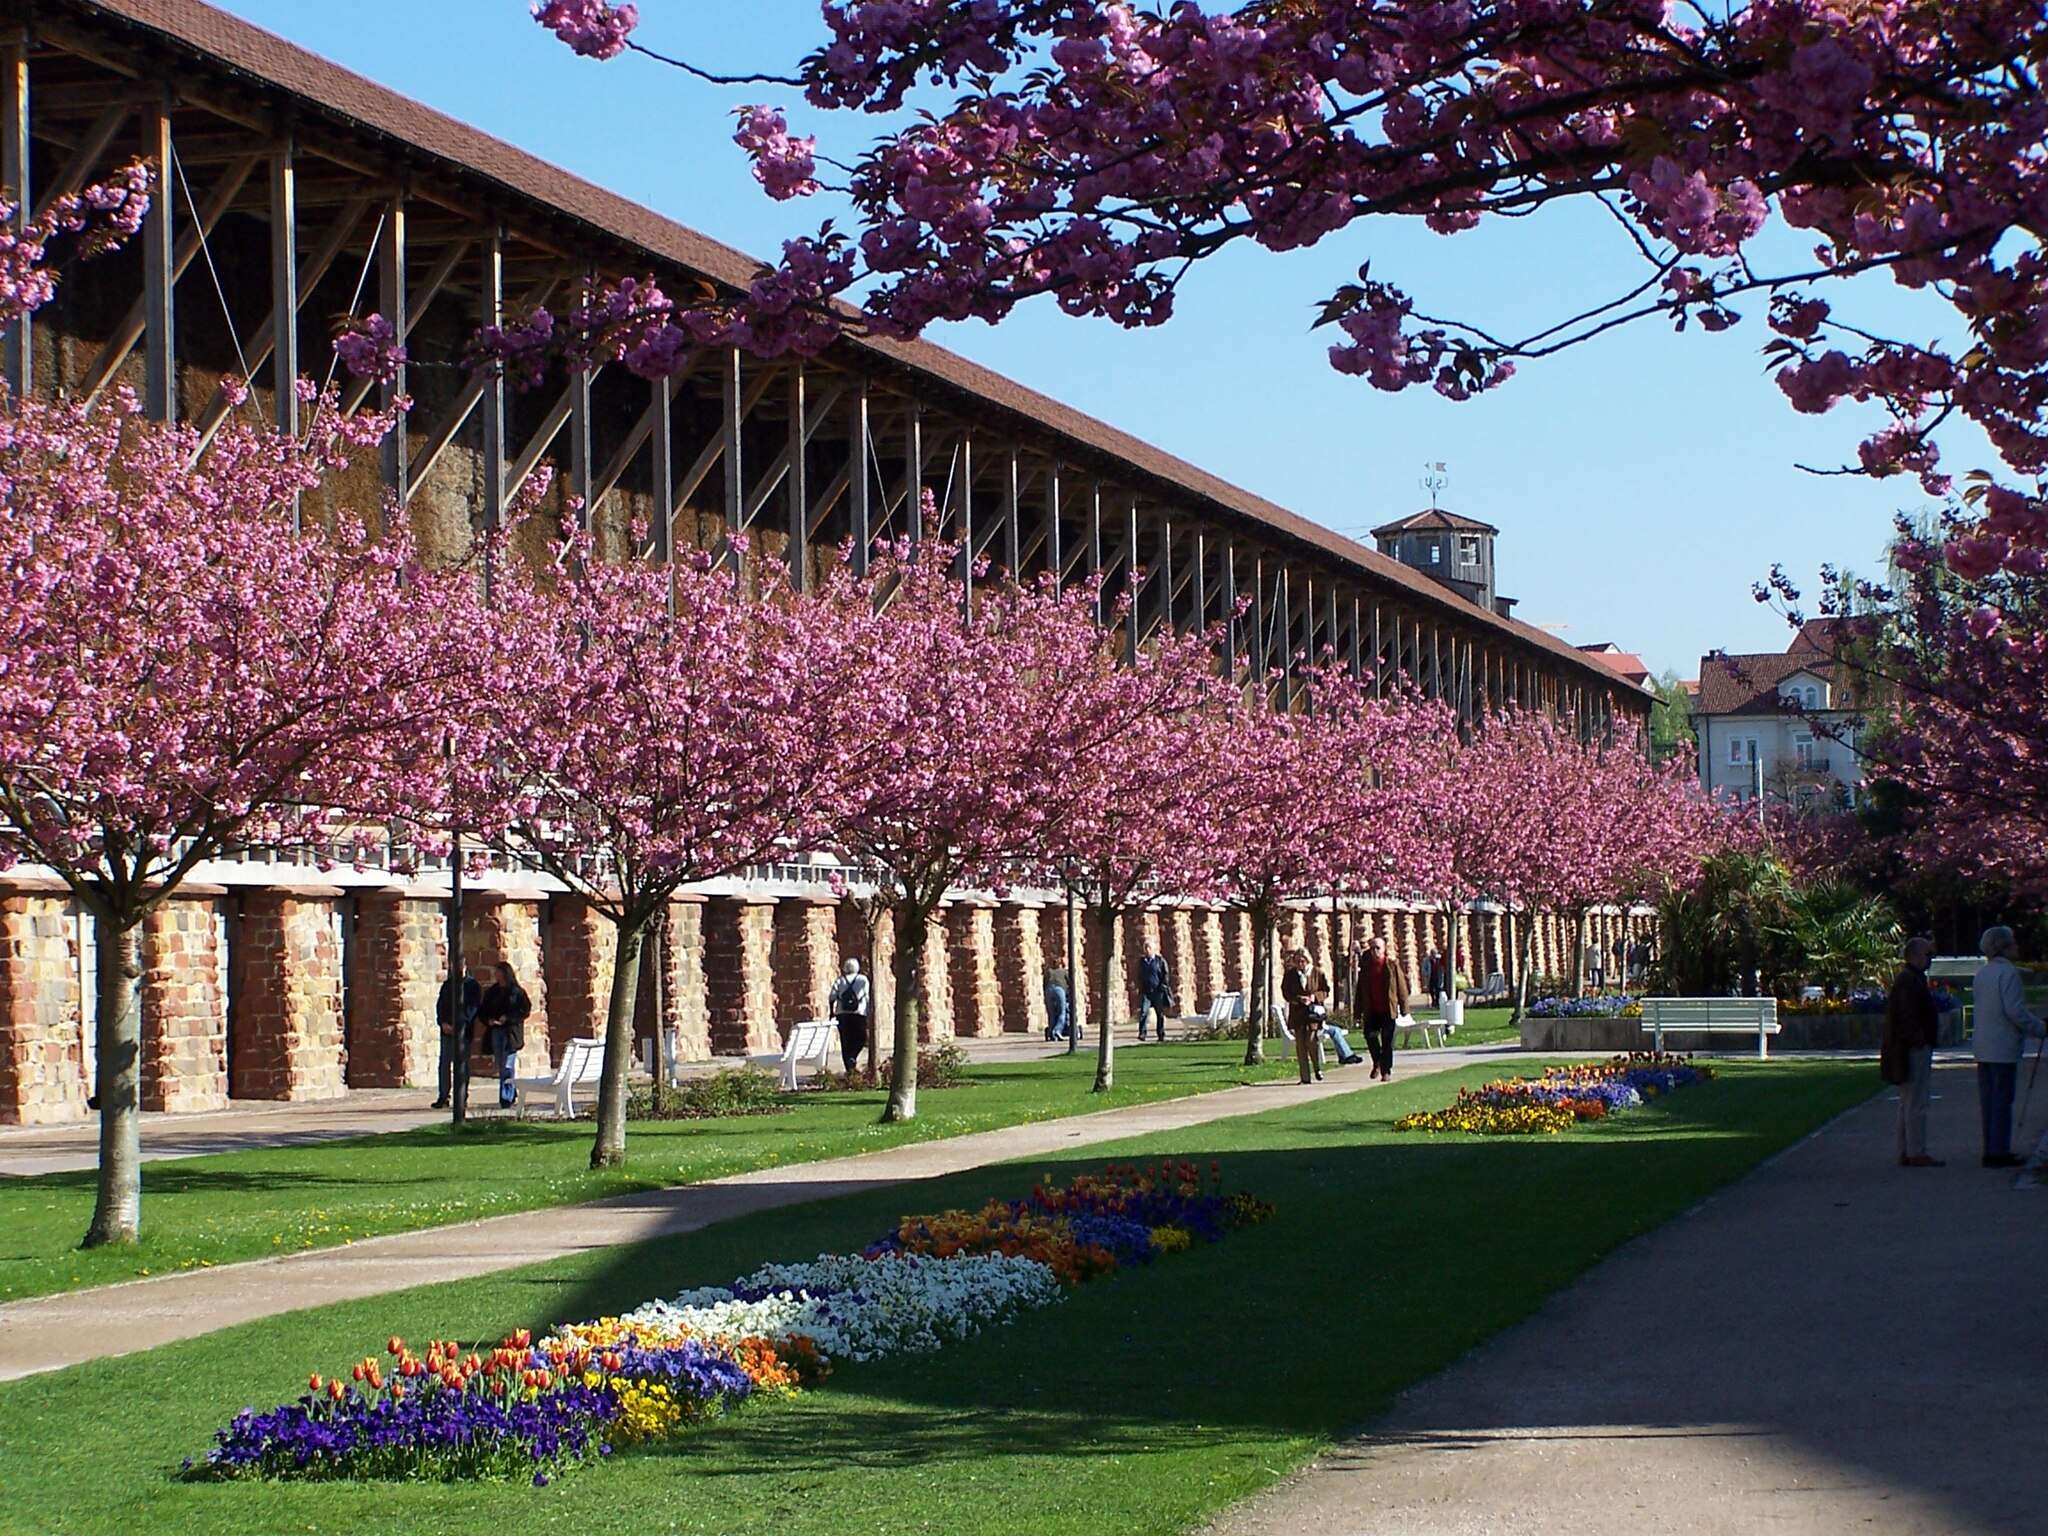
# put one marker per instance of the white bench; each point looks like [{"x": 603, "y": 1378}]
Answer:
[
  {"x": 582, "y": 1063},
  {"x": 1432, "y": 1030},
  {"x": 1713, "y": 1016},
  {"x": 810, "y": 1044},
  {"x": 1224, "y": 1009}
]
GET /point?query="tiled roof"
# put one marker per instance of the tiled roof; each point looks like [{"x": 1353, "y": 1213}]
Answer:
[
  {"x": 1433, "y": 517},
  {"x": 1748, "y": 684},
  {"x": 1622, "y": 663},
  {"x": 269, "y": 63}
]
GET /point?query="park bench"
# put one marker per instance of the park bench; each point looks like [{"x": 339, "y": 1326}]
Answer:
[
  {"x": 1431, "y": 1030},
  {"x": 1713, "y": 1016},
  {"x": 810, "y": 1044},
  {"x": 1494, "y": 991},
  {"x": 582, "y": 1063},
  {"x": 1224, "y": 1009}
]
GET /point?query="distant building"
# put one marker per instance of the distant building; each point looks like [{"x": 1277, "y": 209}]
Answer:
[
  {"x": 1783, "y": 724},
  {"x": 1622, "y": 663},
  {"x": 1456, "y": 551}
]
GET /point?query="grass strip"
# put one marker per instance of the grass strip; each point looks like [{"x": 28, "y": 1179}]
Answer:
[{"x": 1141, "y": 1405}]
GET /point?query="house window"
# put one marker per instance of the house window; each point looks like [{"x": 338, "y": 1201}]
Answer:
[
  {"x": 1812, "y": 697},
  {"x": 1436, "y": 552},
  {"x": 1802, "y": 746},
  {"x": 1734, "y": 750},
  {"x": 1468, "y": 549}
]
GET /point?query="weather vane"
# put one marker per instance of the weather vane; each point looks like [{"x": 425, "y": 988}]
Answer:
[{"x": 1433, "y": 482}]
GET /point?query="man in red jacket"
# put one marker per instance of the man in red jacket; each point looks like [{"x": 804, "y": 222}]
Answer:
[{"x": 1373, "y": 991}]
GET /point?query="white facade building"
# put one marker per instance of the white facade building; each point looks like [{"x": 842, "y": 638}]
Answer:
[{"x": 1781, "y": 724}]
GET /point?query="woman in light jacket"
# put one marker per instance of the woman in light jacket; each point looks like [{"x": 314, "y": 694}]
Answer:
[{"x": 2002, "y": 1023}]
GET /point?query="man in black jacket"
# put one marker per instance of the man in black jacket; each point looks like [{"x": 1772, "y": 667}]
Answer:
[
  {"x": 1907, "y": 1057},
  {"x": 456, "y": 1024}
]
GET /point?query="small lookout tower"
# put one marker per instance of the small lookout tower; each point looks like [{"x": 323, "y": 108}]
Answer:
[{"x": 1455, "y": 550}]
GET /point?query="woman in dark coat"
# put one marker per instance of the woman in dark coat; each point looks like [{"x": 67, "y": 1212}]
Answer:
[{"x": 503, "y": 1014}]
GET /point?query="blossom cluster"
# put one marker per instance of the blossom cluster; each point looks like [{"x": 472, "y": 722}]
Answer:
[
  {"x": 530, "y": 1409},
  {"x": 1560, "y": 1097}
]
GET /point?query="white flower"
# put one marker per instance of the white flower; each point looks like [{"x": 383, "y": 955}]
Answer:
[{"x": 861, "y": 1309}]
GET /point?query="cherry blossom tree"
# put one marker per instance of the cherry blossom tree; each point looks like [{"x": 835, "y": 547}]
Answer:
[
  {"x": 1136, "y": 825},
  {"x": 971, "y": 739},
  {"x": 649, "y": 727},
  {"x": 1298, "y": 796},
  {"x": 184, "y": 675}
]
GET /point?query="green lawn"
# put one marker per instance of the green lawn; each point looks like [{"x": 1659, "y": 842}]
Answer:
[
  {"x": 242, "y": 1205},
  {"x": 1141, "y": 1405}
]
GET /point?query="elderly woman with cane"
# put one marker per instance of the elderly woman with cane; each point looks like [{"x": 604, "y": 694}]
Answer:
[{"x": 2003, "y": 1021}]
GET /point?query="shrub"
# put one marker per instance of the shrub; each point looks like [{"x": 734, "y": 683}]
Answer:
[
  {"x": 726, "y": 1093},
  {"x": 938, "y": 1066}
]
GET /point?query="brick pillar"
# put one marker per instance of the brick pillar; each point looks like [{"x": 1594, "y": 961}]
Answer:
[
  {"x": 287, "y": 991},
  {"x": 582, "y": 948},
  {"x": 504, "y": 930},
  {"x": 972, "y": 970},
  {"x": 1240, "y": 945},
  {"x": 806, "y": 959},
  {"x": 1409, "y": 932},
  {"x": 42, "y": 1063},
  {"x": 935, "y": 984},
  {"x": 1319, "y": 942},
  {"x": 401, "y": 959},
  {"x": 1020, "y": 969},
  {"x": 682, "y": 997},
  {"x": 184, "y": 1012},
  {"x": 1209, "y": 977},
  {"x": 1177, "y": 932},
  {"x": 739, "y": 975}
]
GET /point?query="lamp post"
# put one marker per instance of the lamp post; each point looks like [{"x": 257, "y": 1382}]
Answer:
[
  {"x": 458, "y": 1088},
  {"x": 1073, "y": 968}
]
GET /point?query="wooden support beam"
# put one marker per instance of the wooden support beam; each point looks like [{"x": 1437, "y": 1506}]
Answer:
[
  {"x": 712, "y": 454},
  {"x": 797, "y": 456},
  {"x": 17, "y": 352},
  {"x": 913, "y": 474},
  {"x": 732, "y": 412},
  {"x": 1011, "y": 503},
  {"x": 860, "y": 481},
  {"x": 1229, "y": 610},
  {"x": 622, "y": 456},
  {"x": 491, "y": 311},
  {"x": 159, "y": 271},
  {"x": 479, "y": 383},
  {"x": 395, "y": 304},
  {"x": 284, "y": 297},
  {"x": 1133, "y": 616}
]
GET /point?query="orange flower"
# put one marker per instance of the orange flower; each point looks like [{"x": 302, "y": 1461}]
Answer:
[{"x": 313, "y": 1382}]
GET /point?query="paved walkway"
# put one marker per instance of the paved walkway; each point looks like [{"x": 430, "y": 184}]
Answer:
[
  {"x": 248, "y": 1124},
  {"x": 1834, "y": 1344},
  {"x": 49, "y": 1332}
]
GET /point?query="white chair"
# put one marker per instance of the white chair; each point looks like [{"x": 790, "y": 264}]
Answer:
[
  {"x": 1224, "y": 1009},
  {"x": 1432, "y": 1032},
  {"x": 810, "y": 1044},
  {"x": 582, "y": 1062}
]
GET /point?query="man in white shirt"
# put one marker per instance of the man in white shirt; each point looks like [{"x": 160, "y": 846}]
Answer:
[{"x": 2003, "y": 1021}]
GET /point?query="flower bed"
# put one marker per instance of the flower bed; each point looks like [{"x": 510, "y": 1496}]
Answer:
[
  {"x": 1560, "y": 1097},
  {"x": 1556, "y": 1007},
  {"x": 532, "y": 1409}
]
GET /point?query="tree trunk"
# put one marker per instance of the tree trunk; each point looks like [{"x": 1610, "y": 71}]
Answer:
[
  {"x": 1450, "y": 955},
  {"x": 911, "y": 922},
  {"x": 609, "y": 1150},
  {"x": 117, "y": 1209},
  {"x": 1261, "y": 988},
  {"x": 1528, "y": 948},
  {"x": 1105, "y": 1041}
]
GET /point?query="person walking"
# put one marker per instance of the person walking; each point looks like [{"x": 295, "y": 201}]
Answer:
[
  {"x": 1434, "y": 976},
  {"x": 1155, "y": 994},
  {"x": 850, "y": 1003},
  {"x": 503, "y": 1013},
  {"x": 1059, "y": 1003},
  {"x": 1307, "y": 993},
  {"x": 1907, "y": 1056},
  {"x": 457, "y": 1020},
  {"x": 1372, "y": 1003},
  {"x": 2003, "y": 1022}
]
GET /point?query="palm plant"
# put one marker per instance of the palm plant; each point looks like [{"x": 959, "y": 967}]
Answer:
[{"x": 1847, "y": 937}]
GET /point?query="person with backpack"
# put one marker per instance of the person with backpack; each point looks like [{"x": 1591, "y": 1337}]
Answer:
[
  {"x": 850, "y": 1003},
  {"x": 503, "y": 1013},
  {"x": 1059, "y": 1005}
]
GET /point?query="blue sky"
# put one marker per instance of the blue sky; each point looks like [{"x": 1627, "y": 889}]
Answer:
[{"x": 1641, "y": 483}]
